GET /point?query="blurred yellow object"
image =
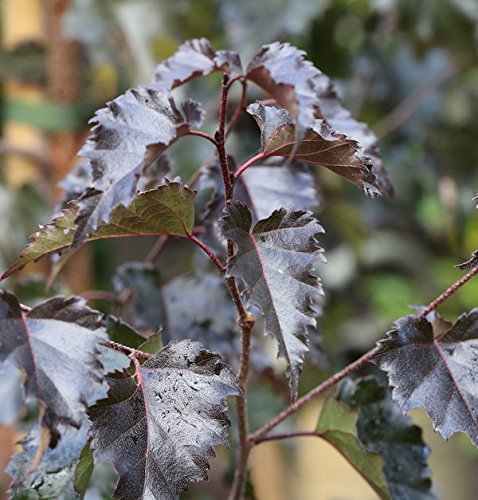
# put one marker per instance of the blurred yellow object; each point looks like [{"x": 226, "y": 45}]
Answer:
[{"x": 22, "y": 20}]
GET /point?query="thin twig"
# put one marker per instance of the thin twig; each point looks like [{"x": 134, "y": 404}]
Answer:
[
  {"x": 287, "y": 435},
  {"x": 449, "y": 292},
  {"x": 248, "y": 163},
  {"x": 129, "y": 351},
  {"x": 239, "y": 109},
  {"x": 209, "y": 253},
  {"x": 156, "y": 249},
  {"x": 324, "y": 386},
  {"x": 334, "y": 379},
  {"x": 198, "y": 133}
]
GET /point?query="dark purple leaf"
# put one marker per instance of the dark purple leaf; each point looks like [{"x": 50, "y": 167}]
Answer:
[
  {"x": 439, "y": 374},
  {"x": 319, "y": 145},
  {"x": 308, "y": 94},
  {"x": 128, "y": 136},
  {"x": 159, "y": 427},
  {"x": 470, "y": 263},
  {"x": 55, "y": 344},
  {"x": 275, "y": 260},
  {"x": 195, "y": 58},
  {"x": 267, "y": 187}
]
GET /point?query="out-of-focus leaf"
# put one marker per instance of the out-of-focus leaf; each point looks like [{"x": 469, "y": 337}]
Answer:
[
  {"x": 128, "y": 136},
  {"x": 146, "y": 305},
  {"x": 382, "y": 429},
  {"x": 438, "y": 374},
  {"x": 320, "y": 145},
  {"x": 159, "y": 427},
  {"x": 55, "y": 344},
  {"x": 198, "y": 306},
  {"x": 168, "y": 209},
  {"x": 11, "y": 398},
  {"x": 54, "y": 477},
  {"x": 337, "y": 425},
  {"x": 274, "y": 260},
  {"x": 267, "y": 188},
  {"x": 195, "y": 58}
]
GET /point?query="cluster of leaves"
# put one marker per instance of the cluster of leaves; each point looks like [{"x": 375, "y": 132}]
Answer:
[{"x": 156, "y": 412}]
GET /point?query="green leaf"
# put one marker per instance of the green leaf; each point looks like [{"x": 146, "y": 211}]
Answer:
[
  {"x": 274, "y": 260},
  {"x": 84, "y": 469},
  {"x": 168, "y": 209},
  {"x": 337, "y": 425},
  {"x": 319, "y": 145},
  {"x": 382, "y": 429}
]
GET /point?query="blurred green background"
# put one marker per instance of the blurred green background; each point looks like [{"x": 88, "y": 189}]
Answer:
[{"x": 408, "y": 68}]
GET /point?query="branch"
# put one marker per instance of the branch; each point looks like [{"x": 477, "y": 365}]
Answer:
[
  {"x": 129, "y": 351},
  {"x": 324, "y": 386},
  {"x": 334, "y": 379},
  {"x": 449, "y": 292},
  {"x": 248, "y": 163},
  {"x": 288, "y": 435},
  {"x": 198, "y": 133},
  {"x": 239, "y": 109},
  {"x": 220, "y": 138}
]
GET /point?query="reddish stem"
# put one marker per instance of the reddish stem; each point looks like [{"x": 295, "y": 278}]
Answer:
[
  {"x": 327, "y": 384},
  {"x": 449, "y": 292},
  {"x": 198, "y": 133},
  {"x": 129, "y": 351},
  {"x": 209, "y": 252},
  {"x": 287, "y": 435},
  {"x": 248, "y": 163}
]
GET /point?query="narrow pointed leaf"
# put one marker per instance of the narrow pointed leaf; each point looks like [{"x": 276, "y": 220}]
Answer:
[
  {"x": 159, "y": 428},
  {"x": 128, "y": 136},
  {"x": 168, "y": 209},
  {"x": 274, "y": 260},
  {"x": 338, "y": 425},
  {"x": 55, "y": 344},
  {"x": 320, "y": 145},
  {"x": 194, "y": 58},
  {"x": 438, "y": 374},
  {"x": 382, "y": 429}
]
